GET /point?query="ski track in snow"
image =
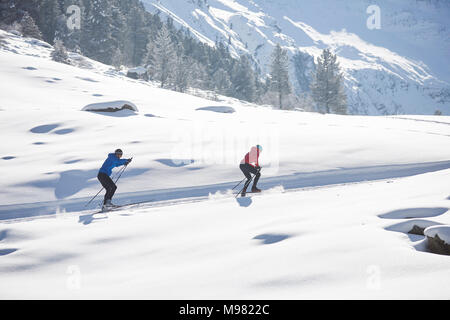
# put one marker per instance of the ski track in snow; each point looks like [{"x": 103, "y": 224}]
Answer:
[{"x": 165, "y": 197}]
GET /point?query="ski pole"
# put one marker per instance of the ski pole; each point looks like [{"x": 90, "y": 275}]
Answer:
[
  {"x": 253, "y": 177},
  {"x": 240, "y": 192},
  {"x": 87, "y": 204},
  {"x": 238, "y": 184},
  {"x": 95, "y": 196},
  {"x": 122, "y": 171},
  {"x": 242, "y": 181}
]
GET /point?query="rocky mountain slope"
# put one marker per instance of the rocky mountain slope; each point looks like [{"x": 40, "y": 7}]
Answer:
[{"x": 399, "y": 68}]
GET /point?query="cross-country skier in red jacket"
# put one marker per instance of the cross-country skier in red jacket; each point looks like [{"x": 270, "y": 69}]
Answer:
[{"x": 250, "y": 164}]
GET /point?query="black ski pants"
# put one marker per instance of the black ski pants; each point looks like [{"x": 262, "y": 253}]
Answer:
[
  {"x": 247, "y": 169},
  {"x": 108, "y": 184}
]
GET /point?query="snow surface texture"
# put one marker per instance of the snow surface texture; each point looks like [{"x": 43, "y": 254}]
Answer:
[
  {"x": 401, "y": 68},
  {"x": 331, "y": 223}
]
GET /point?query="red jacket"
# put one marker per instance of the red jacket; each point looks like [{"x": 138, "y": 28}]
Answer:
[{"x": 252, "y": 158}]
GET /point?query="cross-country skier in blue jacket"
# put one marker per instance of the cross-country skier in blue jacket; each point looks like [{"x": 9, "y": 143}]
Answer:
[{"x": 114, "y": 160}]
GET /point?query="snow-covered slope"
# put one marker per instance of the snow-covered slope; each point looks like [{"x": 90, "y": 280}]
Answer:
[
  {"x": 401, "y": 68},
  {"x": 322, "y": 243},
  {"x": 42, "y": 109},
  {"x": 340, "y": 191}
]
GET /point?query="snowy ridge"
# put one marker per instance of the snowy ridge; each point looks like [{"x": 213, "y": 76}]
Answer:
[{"x": 399, "y": 69}]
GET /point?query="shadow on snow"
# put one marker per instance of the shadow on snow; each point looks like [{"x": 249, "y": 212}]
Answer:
[{"x": 82, "y": 179}]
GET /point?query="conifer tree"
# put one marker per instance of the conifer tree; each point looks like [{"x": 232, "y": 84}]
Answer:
[
  {"x": 117, "y": 59},
  {"x": 243, "y": 79},
  {"x": 164, "y": 57},
  {"x": 279, "y": 74},
  {"x": 29, "y": 27},
  {"x": 136, "y": 36},
  {"x": 49, "y": 13},
  {"x": 98, "y": 42},
  {"x": 59, "y": 53},
  {"x": 327, "y": 87},
  {"x": 222, "y": 82},
  {"x": 182, "y": 73}
]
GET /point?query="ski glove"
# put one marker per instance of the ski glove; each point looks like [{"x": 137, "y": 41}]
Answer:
[{"x": 128, "y": 161}]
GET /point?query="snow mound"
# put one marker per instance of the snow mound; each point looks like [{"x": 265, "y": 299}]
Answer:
[
  {"x": 218, "y": 109},
  {"x": 438, "y": 239},
  {"x": 112, "y": 106},
  {"x": 138, "y": 70},
  {"x": 443, "y": 232},
  {"x": 415, "y": 226},
  {"x": 138, "y": 73}
]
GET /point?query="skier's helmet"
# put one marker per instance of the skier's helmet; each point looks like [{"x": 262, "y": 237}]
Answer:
[
  {"x": 118, "y": 152},
  {"x": 260, "y": 148}
]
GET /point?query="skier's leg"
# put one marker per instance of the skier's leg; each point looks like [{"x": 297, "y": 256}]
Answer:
[
  {"x": 247, "y": 183},
  {"x": 255, "y": 181},
  {"x": 257, "y": 174},
  {"x": 104, "y": 182},
  {"x": 245, "y": 170},
  {"x": 109, "y": 186},
  {"x": 111, "y": 190}
]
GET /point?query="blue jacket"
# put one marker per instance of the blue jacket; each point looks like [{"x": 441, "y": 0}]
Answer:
[{"x": 111, "y": 163}]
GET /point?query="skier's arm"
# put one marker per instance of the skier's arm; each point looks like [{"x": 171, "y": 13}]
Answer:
[{"x": 122, "y": 162}]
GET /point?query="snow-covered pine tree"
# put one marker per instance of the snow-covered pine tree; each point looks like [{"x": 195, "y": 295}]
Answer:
[
  {"x": 117, "y": 59},
  {"x": 49, "y": 13},
  {"x": 182, "y": 73},
  {"x": 97, "y": 39},
  {"x": 279, "y": 74},
  {"x": 59, "y": 53},
  {"x": 29, "y": 27},
  {"x": 135, "y": 36},
  {"x": 222, "y": 82},
  {"x": 11, "y": 11},
  {"x": 164, "y": 57},
  {"x": 199, "y": 76},
  {"x": 149, "y": 58},
  {"x": 327, "y": 87},
  {"x": 118, "y": 31},
  {"x": 243, "y": 80}
]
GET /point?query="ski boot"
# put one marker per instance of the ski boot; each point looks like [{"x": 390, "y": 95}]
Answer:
[
  {"x": 108, "y": 205},
  {"x": 256, "y": 190}
]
